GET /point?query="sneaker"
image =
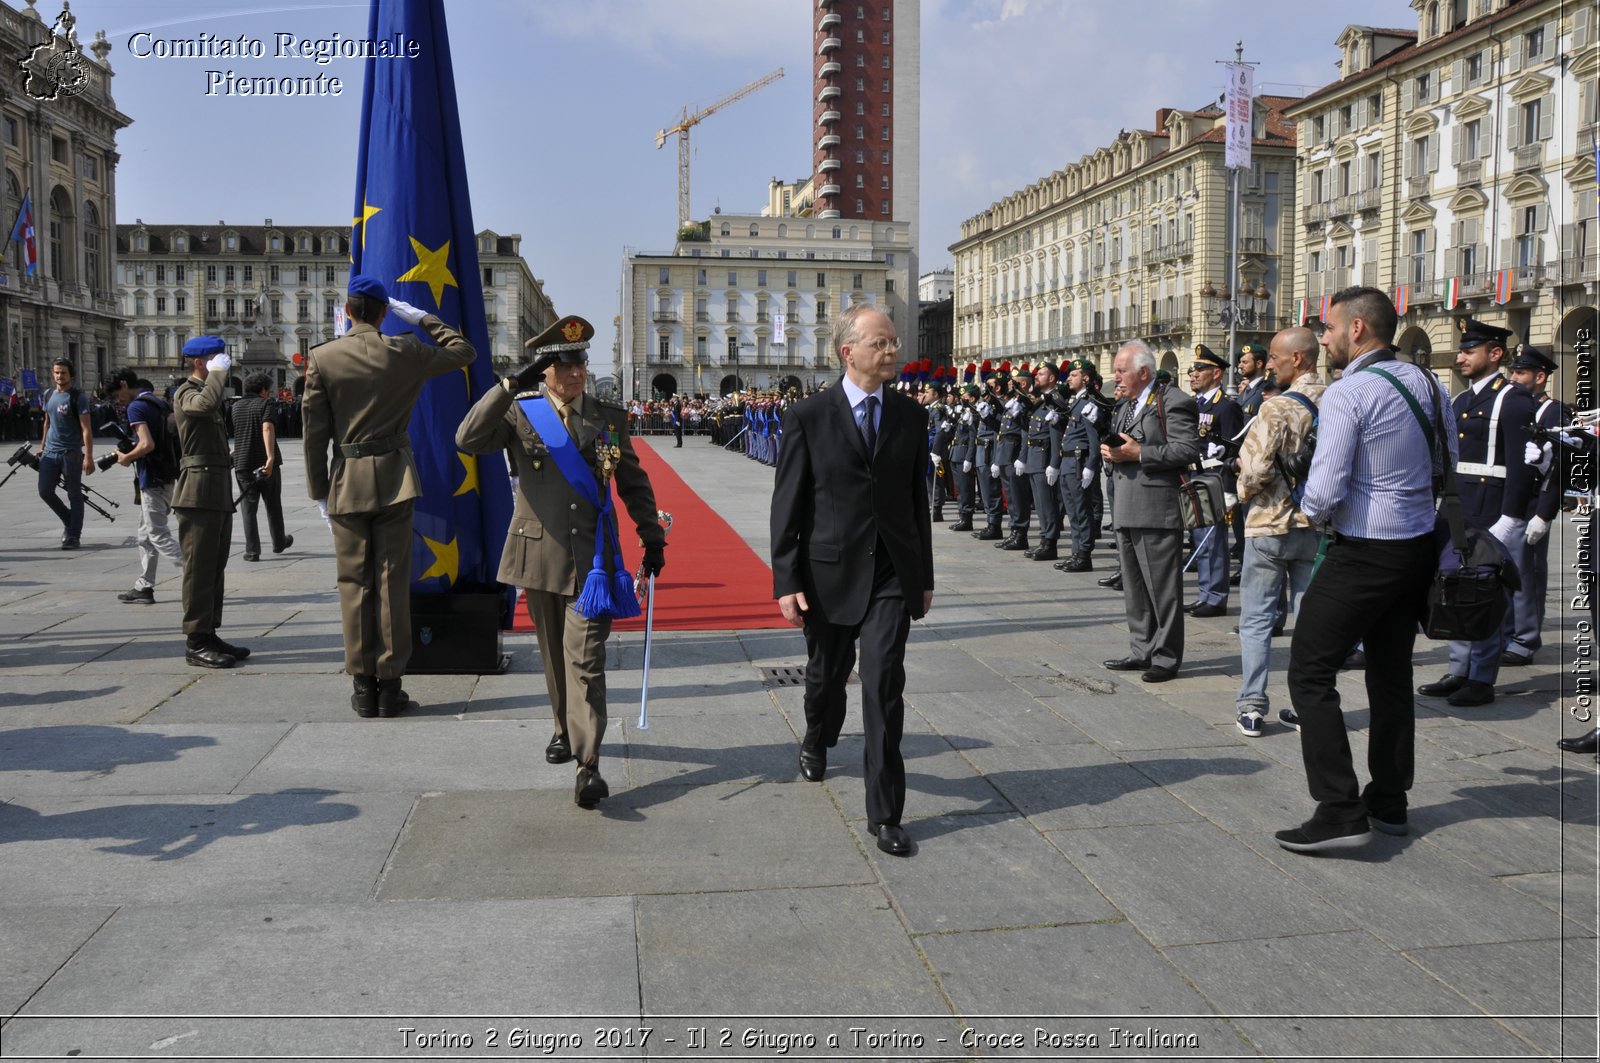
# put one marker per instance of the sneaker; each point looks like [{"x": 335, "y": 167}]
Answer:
[
  {"x": 1289, "y": 718},
  {"x": 1314, "y": 837},
  {"x": 138, "y": 597},
  {"x": 1394, "y": 823},
  {"x": 1250, "y": 723}
]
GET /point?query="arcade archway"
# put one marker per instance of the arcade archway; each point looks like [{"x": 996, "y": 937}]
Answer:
[
  {"x": 730, "y": 384},
  {"x": 663, "y": 386},
  {"x": 1579, "y": 326}
]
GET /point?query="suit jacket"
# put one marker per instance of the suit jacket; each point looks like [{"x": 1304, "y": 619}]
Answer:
[
  {"x": 1484, "y": 499},
  {"x": 551, "y": 542},
  {"x": 206, "y": 479},
  {"x": 361, "y": 388},
  {"x": 831, "y": 504},
  {"x": 1146, "y": 491}
]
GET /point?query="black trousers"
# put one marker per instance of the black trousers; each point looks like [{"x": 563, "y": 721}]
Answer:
[
  {"x": 1374, "y": 592},
  {"x": 269, "y": 494},
  {"x": 830, "y": 654}
]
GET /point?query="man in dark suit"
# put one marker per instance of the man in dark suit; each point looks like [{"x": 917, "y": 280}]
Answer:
[
  {"x": 1158, "y": 437},
  {"x": 852, "y": 554}
]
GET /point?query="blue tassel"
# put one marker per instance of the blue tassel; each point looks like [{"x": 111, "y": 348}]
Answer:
[
  {"x": 624, "y": 600},
  {"x": 594, "y": 603}
]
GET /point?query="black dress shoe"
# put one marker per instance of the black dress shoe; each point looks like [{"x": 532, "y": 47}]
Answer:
[
  {"x": 1190, "y": 607},
  {"x": 964, "y": 524},
  {"x": 252, "y": 557},
  {"x": 1114, "y": 583},
  {"x": 559, "y": 751},
  {"x": 1115, "y": 577},
  {"x": 1448, "y": 685},
  {"x": 238, "y": 653},
  {"x": 1588, "y": 743},
  {"x": 208, "y": 657},
  {"x": 813, "y": 765},
  {"x": 1472, "y": 693},
  {"x": 1077, "y": 563},
  {"x": 892, "y": 838},
  {"x": 1357, "y": 661},
  {"x": 364, "y": 700},
  {"x": 1515, "y": 660},
  {"x": 1158, "y": 674},
  {"x": 989, "y": 533},
  {"x": 288, "y": 541},
  {"x": 590, "y": 788},
  {"x": 1030, "y": 552},
  {"x": 1046, "y": 552},
  {"x": 1126, "y": 664},
  {"x": 1209, "y": 609},
  {"x": 392, "y": 699}
]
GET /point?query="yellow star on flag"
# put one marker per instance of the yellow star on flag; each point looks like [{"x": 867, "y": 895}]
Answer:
[
  {"x": 469, "y": 483},
  {"x": 367, "y": 211},
  {"x": 446, "y": 560},
  {"x": 432, "y": 269}
]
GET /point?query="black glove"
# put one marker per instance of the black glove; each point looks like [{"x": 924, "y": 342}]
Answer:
[
  {"x": 655, "y": 559},
  {"x": 530, "y": 375}
]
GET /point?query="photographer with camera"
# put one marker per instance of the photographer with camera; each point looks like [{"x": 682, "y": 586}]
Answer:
[
  {"x": 67, "y": 451},
  {"x": 257, "y": 465},
  {"x": 154, "y": 457}
]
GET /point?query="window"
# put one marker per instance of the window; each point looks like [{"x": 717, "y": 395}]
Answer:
[
  {"x": 1474, "y": 68},
  {"x": 273, "y": 274},
  {"x": 1319, "y": 130},
  {"x": 885, "y": 180},
  {"x": 886, "y": 110},
  {"x": 861, "y": 180},
  {"x": 861, "y": 84},
  {"x": 1530, "y": 226},
  {"x": 761, "y": 278},
  {"x": 180, "y": 244},
  {"x": 180, "y": 305},
  {"x": 888, "y": 284},
  {"x": 885, "y": 133},
  {"x": 700, "y": 348},
  {"x": 861, "y": 60},
  {"x": 277, "y": 308},
  {"x": 276, "y": 243},
  {"x": 229, "y": 307},
  {"x": 861, "y": 155},
  {"x": 231, "y": 242},
  {"x": 861, "y": 132},
  {"x": 884, "y": 207},
  {"x": 822, "y": 280},
  {"x": 822, "y": 311},
  {"x": 1347, "y": 118},
  {"x": 861, "y": 107},
  {"x": 885, "y": 158},
  {"x": 211, "y": 309},
  {"x": 227, "y": 274},
  {"x": 855, "y": 280},
  {"x": 488, "y": 277},
  {"x": 1424, "y": 85},
  {"x": 211, "y": 275},
  {"x": 1533, "y": 43},
  {"x": 664, "y": 348},
  {"x": 699, "y": 276},
  {"x": 885, "y": 36},
  {"x": 1375, "y": 107},
  {"x": 327, "y": 276},
  {"x": 1375, "y": 170},
  {"x": 1420, "y": 160},
  {"x": 733, "y": 278},
  {"x": 91, "y": 166},
  {"x": 885, "y": 84},
  {"x": 1421, "y": 267},
  {"x": 139, "y": 305},
  {"x": 249, "y": 274},
  {"x": 58, "y": 149},
  {"x": 733, "y": 348},
  {"x": 11, "y": 131},
  {"x": 663, "y": 276},
  {"x": 861, "y": 36},
  {"x": 303, "y": 308},
  {"x": 161, "y": 305},
  {"x": 1531, "y": 113},
  {"x": 1471, "y": 139},
  {"x": 792, "y": 278},
  {"x": 886, "y": 62}
]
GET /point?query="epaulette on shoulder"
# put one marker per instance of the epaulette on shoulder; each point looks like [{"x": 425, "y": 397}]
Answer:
[
  {"x": 608, "y": 404},
  {"x": 531, "y": 393}
]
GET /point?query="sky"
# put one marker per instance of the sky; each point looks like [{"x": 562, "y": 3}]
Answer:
[{"x": 561, "y": 100}]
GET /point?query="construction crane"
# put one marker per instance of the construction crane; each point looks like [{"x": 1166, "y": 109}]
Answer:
[{"x": 686, "y": 120}]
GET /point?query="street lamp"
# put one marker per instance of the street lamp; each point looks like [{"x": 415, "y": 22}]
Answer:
[{"x": 1243, "y": 308}]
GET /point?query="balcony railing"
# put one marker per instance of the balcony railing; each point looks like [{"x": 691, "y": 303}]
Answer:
[
  {"x": 1527, "y": 157},
  {"x": 1369, "y": 199},
  {"x": 1315, "y": 213},
  {"x": 1576, "y": 269},
  {"x": 1469, "y": 173},
  {"x": 664, "y": 317},
  {"x": 1420, "y": 186},
  {"x": 1476, "y": 283},
  {"x": 829, "y": 69},
  {"x": 829, "y": 44},
  {"x": 1253, "y": 245},
  {"x": 1167, "y": 252},
  {"x": 828, "y": 117}
]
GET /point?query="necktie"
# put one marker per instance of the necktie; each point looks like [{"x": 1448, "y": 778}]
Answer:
[{"x": 869, "y": 430}]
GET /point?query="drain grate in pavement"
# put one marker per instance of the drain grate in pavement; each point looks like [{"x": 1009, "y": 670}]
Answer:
[{"x": 784, "y": 676}]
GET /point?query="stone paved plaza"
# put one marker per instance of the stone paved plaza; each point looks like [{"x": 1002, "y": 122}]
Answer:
[{"x": 232, "y": 864}]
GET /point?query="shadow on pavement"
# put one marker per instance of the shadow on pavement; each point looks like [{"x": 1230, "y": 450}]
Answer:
[{"x": 89, "y": 748}]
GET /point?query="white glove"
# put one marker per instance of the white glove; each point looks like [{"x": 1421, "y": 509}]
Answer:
[
  {"x": 1013, "y": 407},
  {"x": 1051, "y": 475},
  {"x": 966, "y": 416},
  {"x": 966, "y": 466},
  {"x": 1229, "y": 500},
  {"x": 1215, "y": 450},
  {"x": 938, "y": 462},
  {"x": 1052, "y": 417},
  {"x": 322, "y": 508},
  {"x": 219, "y": 364},
  {"x": 1507, "y": 529},
  {"x": 1016, "y": 467},
  {"x": 405, "y": 311},
  {"x": 1088, "y": 478},
  {"x": 984, "y": 409},
  {"x": 994, "y": 472},
  {"x": 1538, "y": 528},
  {"x": 1538, "y": 455}
]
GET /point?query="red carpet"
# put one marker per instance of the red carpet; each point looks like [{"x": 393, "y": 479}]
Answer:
[{"x": 713, "y": 580}]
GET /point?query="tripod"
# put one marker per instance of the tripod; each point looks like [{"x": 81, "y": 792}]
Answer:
[{"x": 25, "y": 456}]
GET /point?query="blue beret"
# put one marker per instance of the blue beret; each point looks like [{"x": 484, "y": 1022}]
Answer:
[
  {"x": 204, "y": 347},
  {"x": 361, "y": 284}
]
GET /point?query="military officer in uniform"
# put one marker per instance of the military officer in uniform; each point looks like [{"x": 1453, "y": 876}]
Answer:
[
  {"x": 1008, "y": 457},
  {"x": 1496, "y": 486},
  {"x": 987, "y": 409},
  {"x": 963, "y": 455},
  {"x": 566, "y": 447},
  {"x": 360, "y": 391},
  {"x": 1041, "y": 463},
  {"x": 1531, "y": 369},
  {"x": 1081, "y": 463},
  {"x": 1220, "y": 420},
  {"x": 203, "y": 500},
  {"x": 941, "y": 435}
]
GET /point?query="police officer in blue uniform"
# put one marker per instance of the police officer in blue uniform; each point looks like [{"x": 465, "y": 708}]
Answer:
[
  {"x": 1497, "y": 487},
  {"x": 941, "y": 434},
  {"x": 963, "y": 455},
  {"x": 1008, "y": 456},
  {"x": 988, "y": 412},
  {"x": 1041, "y": 462},
  {"x": 1220, "y": 420},
  {"x": 1531, "y": 369},
  {"x": 1080, "y": 462}
]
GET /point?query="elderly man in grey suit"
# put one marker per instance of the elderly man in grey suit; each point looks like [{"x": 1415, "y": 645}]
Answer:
[{"x": 1152, "y": 440}]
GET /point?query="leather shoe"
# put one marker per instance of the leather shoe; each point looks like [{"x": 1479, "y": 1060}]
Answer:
[
  {"x": 964, "y": 524},
  {"x": 892, "y": 838},
  {"x": 989, "y": 533},
  {"x": 392, "y": 699},
  {"x": 1447, "y": 685},
  {"x": 1019, "y": 543},
  {"x": 813, "y": 764},
  {"x": 252, "y": 557},
  {"x": 1126, "y": 664},
  {"x": 1355, "y": 662},
  {"x": 559, "y": 751},
  {"x": 1209, "y": 609},
  {"x": 1077, "y": 563},
  {"x": 288, "y": 541},
  {"x": 1158, "y": 674},
  {"x": 1471, "y": 693},
  {"x": 1190, "y": 607},
  {"x": 208, "y": 657},
  {"x": 1114, "y": 584},
  {"x": 1114, "y": 577},
  {"x": 364, "y": 700},
  {"x": 1046, "y": 552},
  {"x": 1515, "y": 660},
  {"x": 238, "y": 653},
  {"x": 1588, "y": 743},
  {"x": 589, "y": 788}
]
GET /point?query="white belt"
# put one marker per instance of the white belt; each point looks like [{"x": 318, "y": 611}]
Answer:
[{"x": 1473, "y": 468}]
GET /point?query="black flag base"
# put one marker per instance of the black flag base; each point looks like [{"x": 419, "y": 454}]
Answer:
[{"x": 457, "y": 633}]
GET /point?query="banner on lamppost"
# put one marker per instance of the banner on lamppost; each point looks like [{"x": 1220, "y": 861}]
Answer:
[
  {"x": 1239, "y": 124},
  {"x": 779, "y": 320}
]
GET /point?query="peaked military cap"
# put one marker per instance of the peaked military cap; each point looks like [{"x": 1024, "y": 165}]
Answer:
[
  {"x": 371, "y": 287},
  {"x": 568, "y": 339},
  {"x": 1475, "y": 332},
  {"x": 204, "y": 347},
  {"x": 1206, "y": 358},
  {"x": 1531, "y": 357}
]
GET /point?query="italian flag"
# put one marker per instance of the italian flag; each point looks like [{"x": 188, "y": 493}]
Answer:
[
  {"x": 1452, "y": 293},
  {"x": 1305, "y": 311}
]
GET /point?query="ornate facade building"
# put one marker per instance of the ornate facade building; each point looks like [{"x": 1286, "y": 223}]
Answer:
[
  {"x": 1452, "y": 165},
  {"x": 60, "y": 155},
  {"x": 1132, "y": 241}
]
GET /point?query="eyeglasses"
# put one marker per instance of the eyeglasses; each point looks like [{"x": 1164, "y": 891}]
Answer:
[{"x": 882, "y": 345}]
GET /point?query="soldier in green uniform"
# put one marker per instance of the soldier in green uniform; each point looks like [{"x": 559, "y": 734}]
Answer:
[{"x": 203, "y": 501}]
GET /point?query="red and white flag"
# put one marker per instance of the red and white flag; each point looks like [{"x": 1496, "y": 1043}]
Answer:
[{"x": 1452, "y": 293}]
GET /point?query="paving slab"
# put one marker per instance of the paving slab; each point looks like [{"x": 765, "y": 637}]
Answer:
[
  {"x": 91, "y": 759},
  {"x": 314, "y": 845},
  {"x": 656, "y": 839},
  {"x": 1576, "y": 897},
  {"x": 35, "y": 942},
  {"x": 1071, "y": 786},
  {"x": 50, "y": 701},
  {"x": 995, "y": 717},
  {"x": 1239, "y": 790},
  {"x": 1201, "y": 900},
  {"x": 697, "y": 750},
  {"x": 405, "y": 755},
  {"x": 1136, "y": 721},
  {"x": 384, "y": 962},
  {"x": 221, "y": 697},
  {"x": 939, "y": 781}
]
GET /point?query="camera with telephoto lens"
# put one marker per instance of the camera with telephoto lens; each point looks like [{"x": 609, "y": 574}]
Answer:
[
  {"x": 125, "y": 443},
  {"x": 24, "y": 455}
]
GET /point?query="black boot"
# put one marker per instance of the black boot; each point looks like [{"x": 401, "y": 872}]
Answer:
[
  {"x": 990, "y": 532},
  {"x": 1077, "y": 563},
  {"x": 392, "y": 699},
  {"x": 365, "y": 699},
  {"x": 1019, "y": 542},
  {"x": 964, "y": 524},
  {"x": 938, "y": 514},
  {"x": 1046, "y": 552},
  {"x": 1009, "y": 541}
]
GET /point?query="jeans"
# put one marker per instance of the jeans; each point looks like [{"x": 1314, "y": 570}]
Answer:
[
  {"x": 64, "y": 469},
  {"x": 1268, "y": 559},
  {"x": 155, "y": 535}
]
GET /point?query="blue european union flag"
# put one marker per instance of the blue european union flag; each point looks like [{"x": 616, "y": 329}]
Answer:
[{"x": 413, "y": 231}]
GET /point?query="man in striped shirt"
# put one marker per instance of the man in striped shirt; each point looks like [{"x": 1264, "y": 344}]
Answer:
[{"x": 1371, "y": 491}]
